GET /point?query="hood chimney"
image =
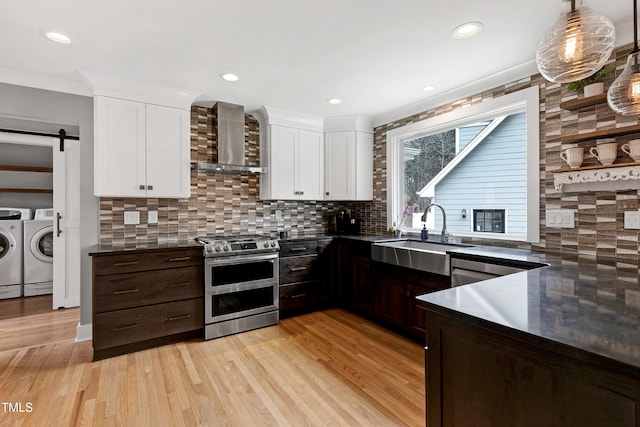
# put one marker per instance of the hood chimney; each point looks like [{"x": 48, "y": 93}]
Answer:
[{"x": 230, "y": 131}]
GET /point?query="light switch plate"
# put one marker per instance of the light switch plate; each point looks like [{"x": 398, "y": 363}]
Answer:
[
  {"x": 560, "y": 218},
  {"x": 153, "y": 217},
  {"x": 131, "y": 218},
  {"x": 632, "y": 220}
]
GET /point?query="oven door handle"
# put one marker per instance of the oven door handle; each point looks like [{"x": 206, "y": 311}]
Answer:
[
  {"x": 242, "y": 286},
  {"x": 240, "y": 259}
]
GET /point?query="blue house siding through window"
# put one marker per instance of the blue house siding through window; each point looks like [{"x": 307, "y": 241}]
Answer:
[
  {"x": 468, "y": 133},
  {"x": 492, "y": 176}
]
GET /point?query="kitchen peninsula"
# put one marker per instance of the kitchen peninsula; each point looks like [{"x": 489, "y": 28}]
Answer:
[{"x": 557, "y": 345}]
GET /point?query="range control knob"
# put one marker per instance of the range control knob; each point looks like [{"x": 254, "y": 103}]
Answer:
[
  {"x": 266, "y": 244},
  {"x": 273, "y": 244},
  {"x": 227, "y": 248},
  {"x": 208, "y": 249}
]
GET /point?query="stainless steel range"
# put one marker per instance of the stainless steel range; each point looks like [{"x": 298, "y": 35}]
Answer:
[{"x": 240, "y": 284}]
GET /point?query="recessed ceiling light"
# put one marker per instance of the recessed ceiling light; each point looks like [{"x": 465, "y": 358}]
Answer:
[
  {"x": 466, "y": 30},
  {"x": 230, "y": 77},
  {"x": 58, "y": 37},
  {"x": 334, "y": 101},
  {"x": 428, "y": 88}
]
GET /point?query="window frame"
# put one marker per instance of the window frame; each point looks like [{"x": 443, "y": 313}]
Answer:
[{"x": 526, "y": 100}]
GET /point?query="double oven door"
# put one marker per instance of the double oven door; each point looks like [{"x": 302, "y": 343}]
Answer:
[{"x": 240, "y": 285}]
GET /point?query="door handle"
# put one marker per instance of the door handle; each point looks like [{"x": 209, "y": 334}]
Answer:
[{"x": 58, "y": 230}]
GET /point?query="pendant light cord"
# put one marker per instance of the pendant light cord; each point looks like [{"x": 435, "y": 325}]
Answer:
[{"x": 635, "y": 26}]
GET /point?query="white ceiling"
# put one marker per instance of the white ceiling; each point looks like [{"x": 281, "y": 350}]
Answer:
[{"x": 376, "y": 55}]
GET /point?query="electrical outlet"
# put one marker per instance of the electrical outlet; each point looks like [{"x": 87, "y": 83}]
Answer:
[
  {"x": 152, "y": 217},
  {"x": 132, "y": 218},
  {"x": 632, "y": 220}
]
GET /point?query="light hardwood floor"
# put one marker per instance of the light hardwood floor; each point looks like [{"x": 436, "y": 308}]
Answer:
[{"x": 324, "y": 368}]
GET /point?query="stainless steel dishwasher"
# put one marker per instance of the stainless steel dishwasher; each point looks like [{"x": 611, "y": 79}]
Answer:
[{"x": 464, "y": 271}]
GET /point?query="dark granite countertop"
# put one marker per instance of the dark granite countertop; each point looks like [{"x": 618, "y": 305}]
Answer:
[
  {"x": 583, "y": 305},
  {"x": 108, "y": 250},
  {"x": 370, "y": 238},
  {"x": 358, "y": 237},
  {"x": 103, "y": 250}
]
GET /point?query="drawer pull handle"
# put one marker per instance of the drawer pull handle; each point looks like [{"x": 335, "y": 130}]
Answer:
[
  {"x": 298, "y": 269},
  {"x": 182, "y": 258},
  {"x": 122, "y": 328},
  {"x": 122, "y": 264},
  {"x": 302, "y": 249},
  {"x": 179, "y": 285},
  {"x": 298, "y": 296},
  {"x": 126, "y": 291},
  {"x": 179, "y": 317}
]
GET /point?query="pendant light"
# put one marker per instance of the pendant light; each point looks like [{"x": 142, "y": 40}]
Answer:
[
  {"x": 624, "y": 94},
  {"x": 577, "y": 46}
]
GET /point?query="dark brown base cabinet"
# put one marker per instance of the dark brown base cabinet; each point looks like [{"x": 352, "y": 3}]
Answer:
[
  {"x": 305, "y": 275},
  {"x": 384, "y": 292},
  {"x": 482, "y": 374},
  {"x": 146, "y": 298},
  {"x": 354, "y": 276},
  {"x": 395, "y": 292}
]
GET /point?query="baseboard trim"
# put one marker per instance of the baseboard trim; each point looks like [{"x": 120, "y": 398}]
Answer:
[{"x": 83, "y": 332}]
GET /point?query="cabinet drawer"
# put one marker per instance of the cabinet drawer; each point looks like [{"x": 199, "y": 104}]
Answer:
[
  {"x": 300, "y": 295},
  {"x": 298, "y": 269},
  {"x": 118, "y": 291},
  {"x": 143, "y": 323},
  {"x": 136, "y": 261},
  {"x": 301, "y": 247}
]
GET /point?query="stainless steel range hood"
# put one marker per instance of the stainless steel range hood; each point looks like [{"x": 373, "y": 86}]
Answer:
[{"x": 230, "y": 131}]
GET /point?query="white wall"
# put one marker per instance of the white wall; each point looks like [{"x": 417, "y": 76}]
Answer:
[{"x": 70, "y": 112}]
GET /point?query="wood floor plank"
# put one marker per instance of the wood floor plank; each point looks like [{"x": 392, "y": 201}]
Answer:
[{"x": 329, "y": 368}]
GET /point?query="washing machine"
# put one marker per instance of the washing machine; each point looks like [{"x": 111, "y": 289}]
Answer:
[
  {"x": 38, "y": 256},
  {"x": 10, "y": 253}
]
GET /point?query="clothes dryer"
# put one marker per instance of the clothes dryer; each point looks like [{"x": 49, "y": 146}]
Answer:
[
  {"x": 38, "y": 257},
  {"x": 10, "y": 258}
]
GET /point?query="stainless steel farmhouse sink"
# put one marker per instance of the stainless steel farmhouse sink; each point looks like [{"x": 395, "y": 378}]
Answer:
[{"x": 415, "y": 254}]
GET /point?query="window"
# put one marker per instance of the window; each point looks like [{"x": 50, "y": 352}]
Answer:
[
  {"x": 480, "y": 163},
  {"x": 489, "y": 220}
]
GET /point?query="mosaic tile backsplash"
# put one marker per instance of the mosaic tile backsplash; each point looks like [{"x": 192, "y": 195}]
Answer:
[{"x": 227, "y": 204}]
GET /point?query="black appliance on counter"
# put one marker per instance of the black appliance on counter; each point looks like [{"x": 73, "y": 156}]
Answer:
[{"x": 344, "y": 224}]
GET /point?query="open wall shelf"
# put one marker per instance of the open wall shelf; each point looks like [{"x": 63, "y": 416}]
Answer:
[
  {"x": 576, "y": 104},
  {"x": 41, "y": 169},
  {"x": 605, "y": 133},
  {"x": 27, "y": 190},
  {"x": 26, "y": 169}
]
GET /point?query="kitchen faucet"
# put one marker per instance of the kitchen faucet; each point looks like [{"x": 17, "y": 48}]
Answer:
[{"x": 445, "y": 235}]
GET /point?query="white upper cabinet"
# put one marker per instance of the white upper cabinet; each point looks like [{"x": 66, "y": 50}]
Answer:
[
  {"x": 141, "y": 138},
  {"x": 141, "y": 150},
  {"x": 348, "y": 159},
  {"x": 168, "y": 152},
  {"x": 310, "y": 165},
  {"x": 292, "y": 153},
  {"x": 295, "y": 165}
]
